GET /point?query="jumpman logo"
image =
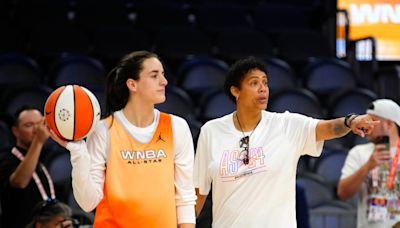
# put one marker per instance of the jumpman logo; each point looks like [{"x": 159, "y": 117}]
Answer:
[{"x": 160, "y": 138}]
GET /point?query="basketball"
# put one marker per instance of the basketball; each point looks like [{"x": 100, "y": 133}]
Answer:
[{"x": 72, "y": 112}]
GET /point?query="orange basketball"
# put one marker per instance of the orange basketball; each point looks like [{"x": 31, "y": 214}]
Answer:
[{"x": 72, "y": 112}]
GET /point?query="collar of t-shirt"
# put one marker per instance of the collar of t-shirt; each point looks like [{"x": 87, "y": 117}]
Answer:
[{"x": 141, "y": 134}]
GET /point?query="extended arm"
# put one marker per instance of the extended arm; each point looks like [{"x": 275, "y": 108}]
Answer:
[{"x": 335, "y": 128}]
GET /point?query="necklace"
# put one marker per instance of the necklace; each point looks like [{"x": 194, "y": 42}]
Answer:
[
  {"x": 241, "y": 129},
  {"x": 245, "y": 141}
]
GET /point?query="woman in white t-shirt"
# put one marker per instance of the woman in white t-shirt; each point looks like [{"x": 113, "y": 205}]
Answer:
[{"x": 250, "y": 156}]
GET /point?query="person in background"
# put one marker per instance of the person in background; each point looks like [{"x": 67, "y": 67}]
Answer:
[
  {"x": 52, "y": 214},
  {"x": 250, "y": 156},
  {"x": 136, "y": 168},
  {"x": 24, "y": 179},
  {"x": 372, "y": 170}
]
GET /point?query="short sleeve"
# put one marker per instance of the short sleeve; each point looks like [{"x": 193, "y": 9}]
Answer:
[
  {"x": 352, "y": 163},
  {"x": 301, "y": 130}
]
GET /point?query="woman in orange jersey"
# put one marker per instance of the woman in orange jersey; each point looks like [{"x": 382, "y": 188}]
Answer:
[{"x": 132, "y": 168}]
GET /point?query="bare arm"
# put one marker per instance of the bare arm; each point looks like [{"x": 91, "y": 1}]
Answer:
[
  {"x": 335, "y": 128},
  {"x": 350, "y": 185},
  {"x": 201, "y": 199},
  {"x": 330, "y": 129},
  {"x": 23, "y": 173}
]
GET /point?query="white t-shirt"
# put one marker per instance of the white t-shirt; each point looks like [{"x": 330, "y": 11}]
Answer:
[
  {"x": 261, "y": 194},
  {"x": 89, "y": 164},
  {"x": 356, "y": 158}
]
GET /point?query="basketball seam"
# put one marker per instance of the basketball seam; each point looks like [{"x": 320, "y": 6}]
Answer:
[
  {"x": 54, "y": 111},
  {"x": 94, "y": 113},
  {"x": 74, "y": 126}
]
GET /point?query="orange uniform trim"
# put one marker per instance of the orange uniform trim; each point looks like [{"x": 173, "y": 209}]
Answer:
[{"x": 139, "y": 186}]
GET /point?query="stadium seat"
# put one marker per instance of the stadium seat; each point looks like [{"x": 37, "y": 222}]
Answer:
[
  {"x": 177, "y": 102},
  {"x": 345, "y": 102},
  {"x": 6, "y": 136},
  {"x": 215, "y": 104},
  {"x": 315, "y": 187},
  {"x": 359, "y": 140},
  {"x": 77, "y": 69},
  {"x": 60, "y": 169},
  {"x": 280, "y": 75},
  {"x": 84, "y": 219},
  {"x": 329, "y": 165},
  {"x": 16, "y": 97},
  {"x": 18, "y": 69},
  {"x": 388, "y": 83},
  {"x": 350, "y": 101},
  {"x": 303, "y": 164},
  {"x": 326, "y": 76},
  {"x": 302, "y": 216},
  {"x": 333, "y": 214},
  {"x": 296, "y": 100},
  {"x": 195, "y": 127},
  {"x": 198, "y": 75},
  {"x": 100, "y": 93}
]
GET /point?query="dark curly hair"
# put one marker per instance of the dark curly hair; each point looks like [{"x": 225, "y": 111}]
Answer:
[{"x": 238, "y": 71}]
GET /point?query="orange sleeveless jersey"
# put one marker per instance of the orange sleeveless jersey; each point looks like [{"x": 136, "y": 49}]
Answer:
[{"x": 139, "y": 186}]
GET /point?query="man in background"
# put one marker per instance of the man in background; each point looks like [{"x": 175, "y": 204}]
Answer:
[
  {"x": 372, "y": 170},
  {"x": 24, "y": 181}
]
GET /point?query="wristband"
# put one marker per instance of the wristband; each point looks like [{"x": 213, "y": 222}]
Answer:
[{"x": 348, "y": 119}]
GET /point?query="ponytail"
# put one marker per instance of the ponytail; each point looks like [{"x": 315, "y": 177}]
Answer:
[{"x": 130, "y": 66}]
